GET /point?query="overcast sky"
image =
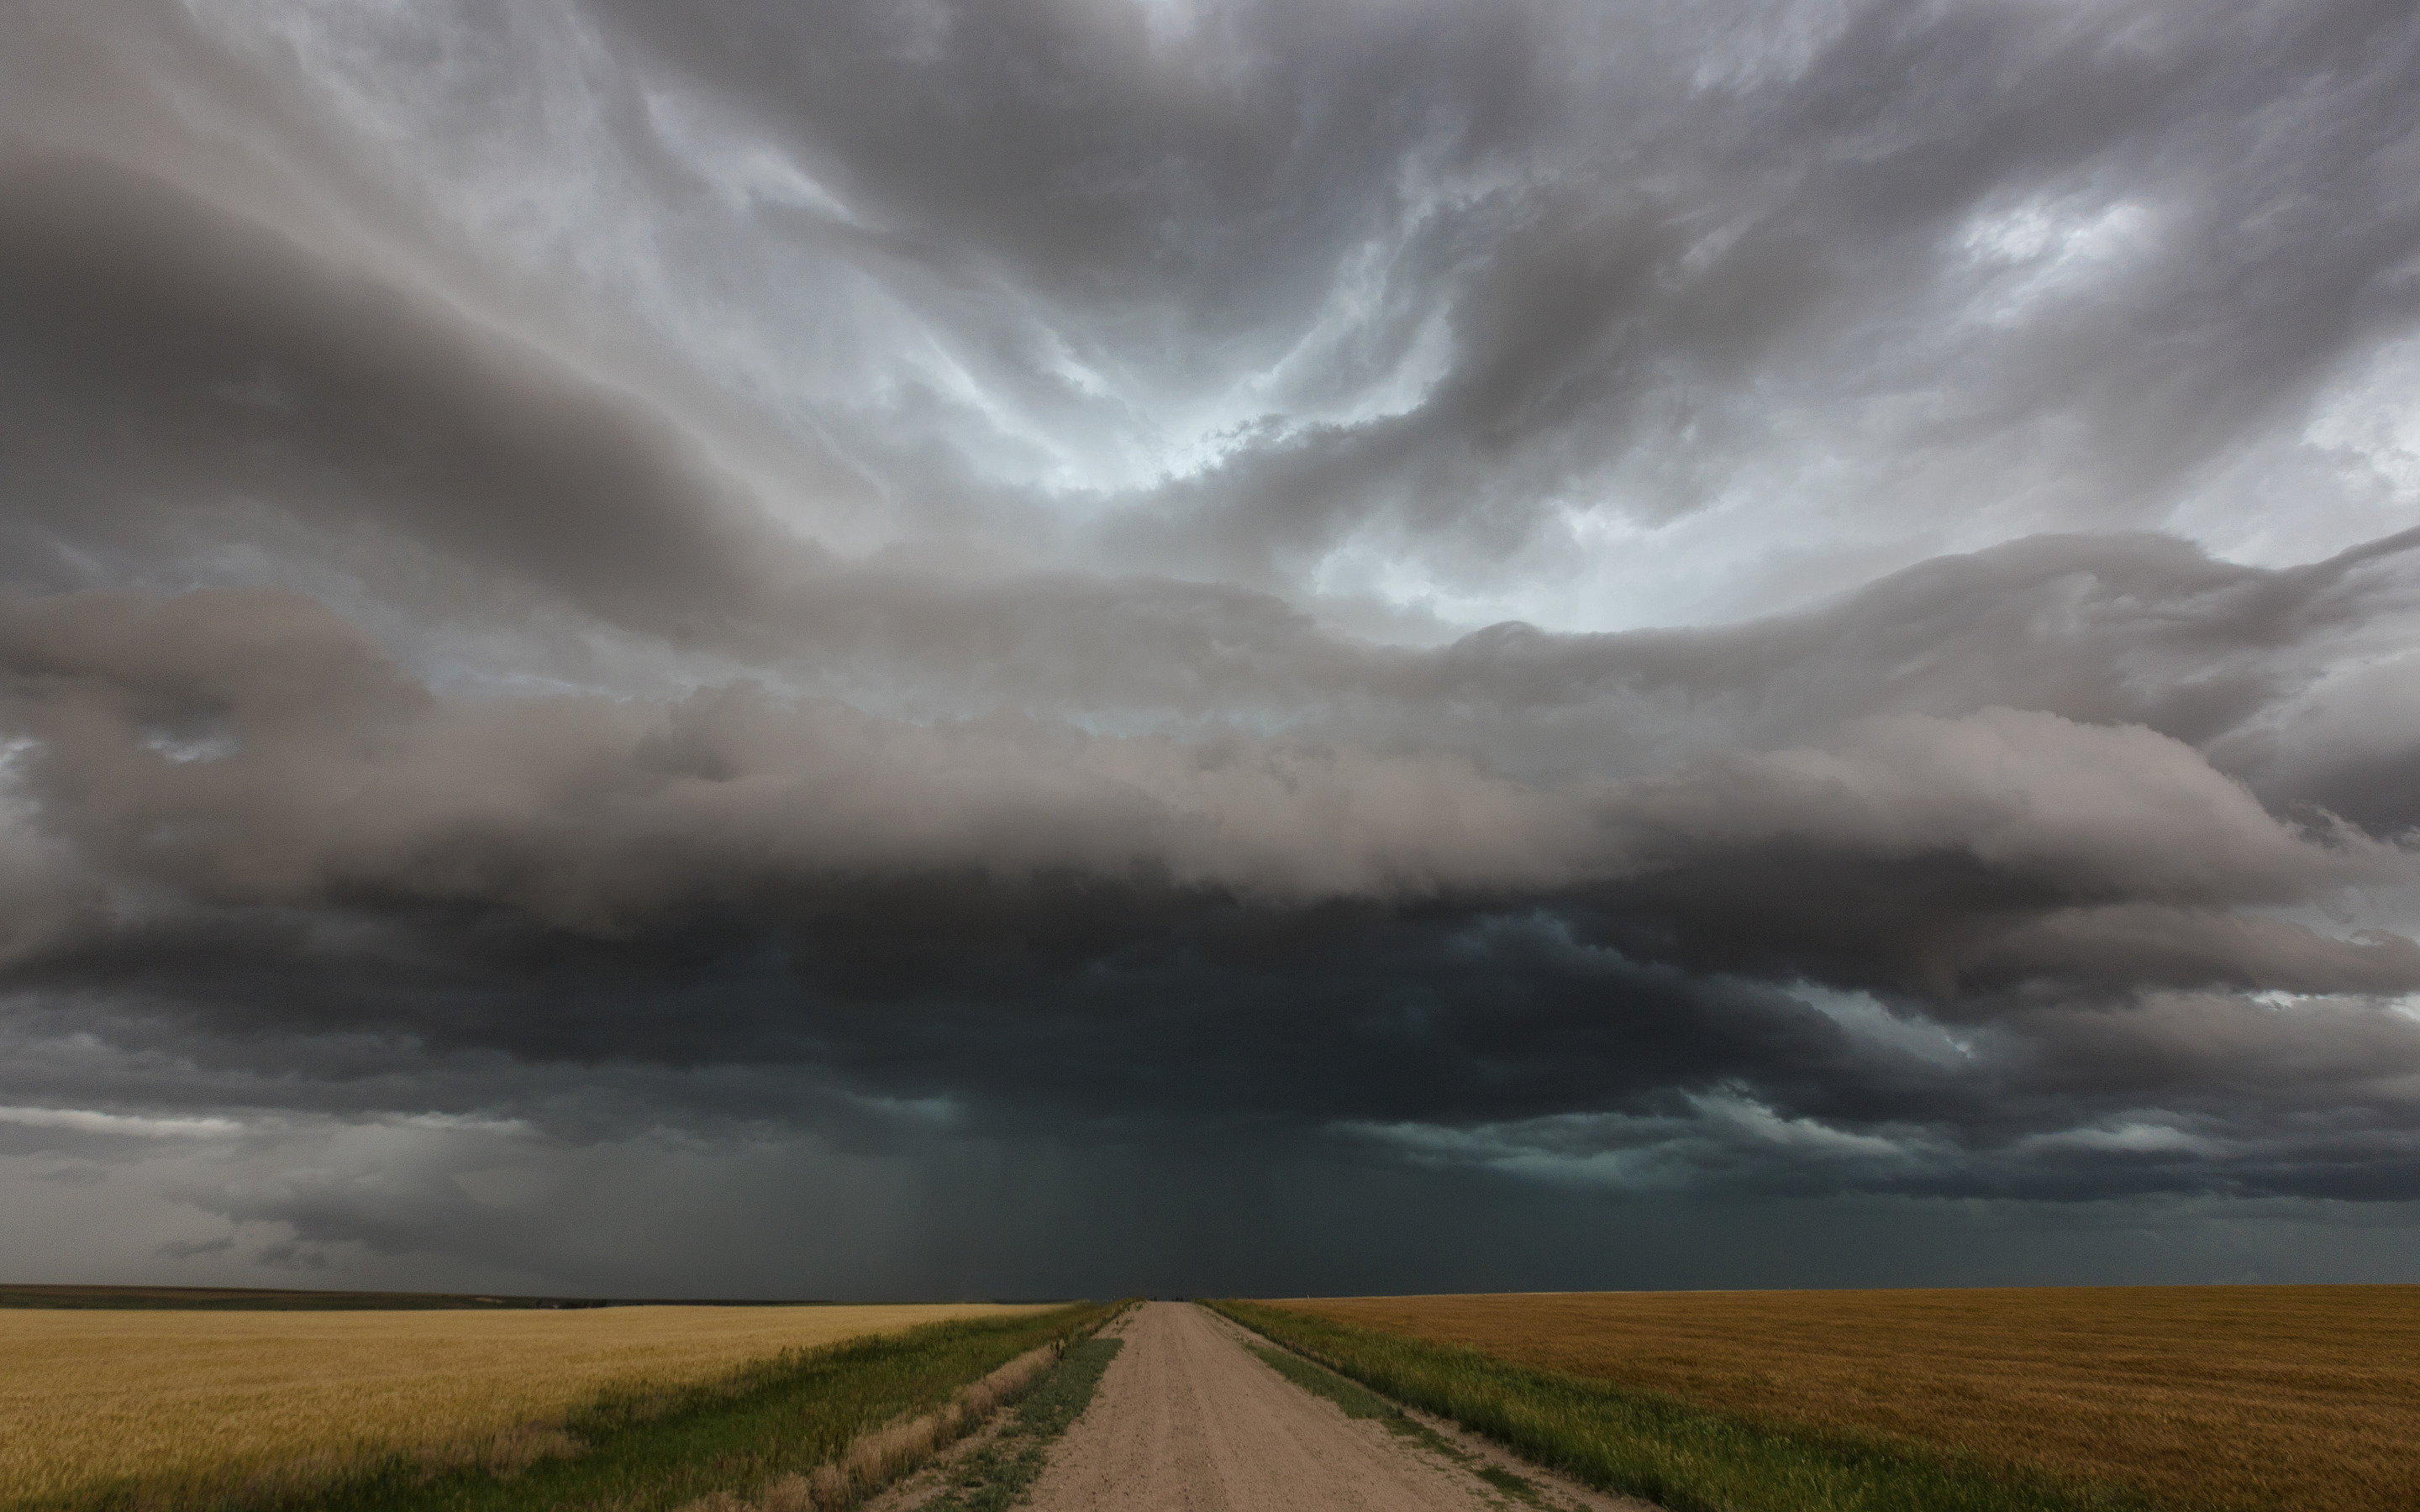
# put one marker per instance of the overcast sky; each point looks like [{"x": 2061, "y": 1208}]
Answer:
[{"x": 914, "y": 648}]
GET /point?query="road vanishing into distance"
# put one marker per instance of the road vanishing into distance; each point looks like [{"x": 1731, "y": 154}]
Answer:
[{"x": 1187, "y": 1420}]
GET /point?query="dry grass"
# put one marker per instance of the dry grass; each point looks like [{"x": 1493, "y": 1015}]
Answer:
[
  {"x": 93, "y": 1397},
  {"x": 875, "y": 1460},
  {"x": 2224, "y": 1396}
]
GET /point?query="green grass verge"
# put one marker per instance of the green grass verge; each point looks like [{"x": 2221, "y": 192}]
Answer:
[
  {"x": 1356, "y": 1400},
  {"x": 645, "y": 1449},
  {"x": 994, "y": 1475},
  {"x": 1657, "y": 1447},
  {"x": 1361, "y": 1401}
]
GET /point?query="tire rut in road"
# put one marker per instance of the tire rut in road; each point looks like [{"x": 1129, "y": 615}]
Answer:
[{"x": 1186, "y": 1421}]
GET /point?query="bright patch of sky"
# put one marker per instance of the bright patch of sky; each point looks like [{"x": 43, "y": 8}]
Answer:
[
  {"x": 1638, "y": 1153},
  {"x": 87, "y": 1120},
  {"x": 1866, "y": 1018},
  {"x": 2043, "y": 249},
  {"x": 2132, "y": 1137}
]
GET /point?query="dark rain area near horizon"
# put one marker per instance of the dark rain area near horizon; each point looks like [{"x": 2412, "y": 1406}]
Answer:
[{"x": 1249, "y": 647}]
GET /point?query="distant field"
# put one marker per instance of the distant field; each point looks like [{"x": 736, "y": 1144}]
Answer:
[
  {"x": 252, "y": 1299},
  {"x": 92, "y": 1397},
  {"x": 2305, "y": 1397}
]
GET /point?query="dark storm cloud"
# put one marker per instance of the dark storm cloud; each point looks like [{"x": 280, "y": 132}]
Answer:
[
  {"x": 258, "y": 825},
  {"x": 830, "y": 599},
  {"x": 185, "y": 377},
  {"x": 151, "y": 338},
  {"x": 1623, "y": 218}
]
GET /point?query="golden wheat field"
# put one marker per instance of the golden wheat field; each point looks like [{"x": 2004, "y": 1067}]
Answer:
[
  {"x": 88, "y": 1397},
  {"x": 2219, "y": 1396}
]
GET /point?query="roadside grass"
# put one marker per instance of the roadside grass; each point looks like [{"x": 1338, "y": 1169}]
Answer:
[
  {"x": 646, "y": 1447},
  {"x": 1359, "y": 1401},
  {"x": 995, "y": 1475},
  {"x": 95, "y": 1398},
  {"x": 1686, "y": 1458},
  {"x": 1356, "y": 1400},
  {"x": 2221, "y": 1397}
]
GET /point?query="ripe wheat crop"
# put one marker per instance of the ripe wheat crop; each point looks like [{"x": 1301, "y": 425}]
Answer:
[
  {"x": 2305, "y": 1397},
  {"x": 201, "y": 1401}
]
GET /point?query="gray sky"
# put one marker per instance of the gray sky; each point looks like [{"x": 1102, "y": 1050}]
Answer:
[{"x": 909, "y": 648}]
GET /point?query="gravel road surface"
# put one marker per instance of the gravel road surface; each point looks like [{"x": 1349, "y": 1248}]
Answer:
[{"x": 1185, "y": 1421}]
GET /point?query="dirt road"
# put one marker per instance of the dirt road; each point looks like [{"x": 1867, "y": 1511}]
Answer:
[{"x": 1185, "y": 1421}]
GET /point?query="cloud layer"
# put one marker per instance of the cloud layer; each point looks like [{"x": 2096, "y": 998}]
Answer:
[{"x": 1388, "y": 609}]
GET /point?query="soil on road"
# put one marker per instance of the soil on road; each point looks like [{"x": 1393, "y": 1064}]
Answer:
[{"x": 1186, "y": 1421}]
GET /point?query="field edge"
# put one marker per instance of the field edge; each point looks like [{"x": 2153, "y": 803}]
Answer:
[
  {"x": 638, "y": 1445},
  {"x": 1665, "y": 1450}
]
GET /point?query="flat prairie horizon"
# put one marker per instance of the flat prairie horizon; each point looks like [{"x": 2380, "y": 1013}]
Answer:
[{"x": 2227, "y": 1396}]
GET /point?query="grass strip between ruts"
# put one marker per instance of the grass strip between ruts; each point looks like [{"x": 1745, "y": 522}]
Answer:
[
  {"x": 640, "y": 1449},
  {"x": 996, "y": 1474},
  {"x": 1662, "y": 1449}
]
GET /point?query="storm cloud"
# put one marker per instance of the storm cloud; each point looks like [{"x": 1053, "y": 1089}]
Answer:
[{"x": 1073, "y": 645}]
